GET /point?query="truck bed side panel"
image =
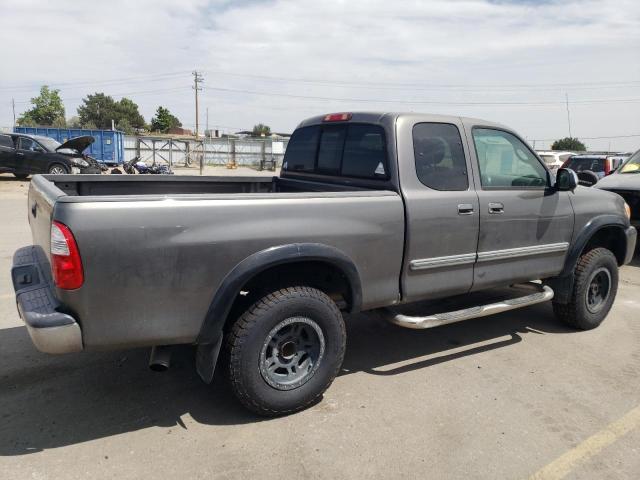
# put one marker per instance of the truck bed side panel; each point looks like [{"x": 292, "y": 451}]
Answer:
[{"x": 152, "y": 267}]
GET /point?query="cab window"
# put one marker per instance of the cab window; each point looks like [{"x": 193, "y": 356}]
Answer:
[
  {"x": 505, "y": 162},
  {"x": 439, "y": 156},
  {"x": 26, "y": 144}
]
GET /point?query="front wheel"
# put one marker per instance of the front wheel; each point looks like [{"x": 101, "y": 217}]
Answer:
[
  {"x": 285, "y": 350},
  {"x": 57, "y": 170},
  {"x": 595, "y": 285},
  {"x": 21, "y": 176}
]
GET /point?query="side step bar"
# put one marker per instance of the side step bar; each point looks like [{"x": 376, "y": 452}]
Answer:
[{"x": 543, "y": 293}]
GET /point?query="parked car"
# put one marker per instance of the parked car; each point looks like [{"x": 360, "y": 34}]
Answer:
[
  {"x": 25, "y": 155},
  {"x": 370, "y": 211},
  {"x": 626, "y": 183},
  {"x": 553, "y": 159},
  {"x": 600, "y": 165}
]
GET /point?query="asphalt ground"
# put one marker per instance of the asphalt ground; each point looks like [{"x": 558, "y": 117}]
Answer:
[{"x": 511, "y": 396}]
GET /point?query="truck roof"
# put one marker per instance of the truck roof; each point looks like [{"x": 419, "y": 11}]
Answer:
[{"x": 380, "y": 117}]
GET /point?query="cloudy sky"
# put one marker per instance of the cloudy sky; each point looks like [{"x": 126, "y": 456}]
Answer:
[{"x": 277, "y": 62}]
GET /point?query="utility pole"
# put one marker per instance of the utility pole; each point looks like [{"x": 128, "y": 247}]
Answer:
[
  {"x": 566, "y": 96},
  {"x": 197, "y": 80},
  {"x": 13, "y": 106}
]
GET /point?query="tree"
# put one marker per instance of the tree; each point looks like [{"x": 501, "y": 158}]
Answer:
[
  {"x": 164, "y": 120},
  {"x": 128, "y": 110},
  {"x": 261, "y": 130},
  {"x": 569, "y": 143},
  {"x": 47, "y": 109},
  {"x": 74, "y": 122},
  {"x": 100, "y": 109}
]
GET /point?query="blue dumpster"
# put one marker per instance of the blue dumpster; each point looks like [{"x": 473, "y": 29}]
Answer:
[{"x": 108, "y": 146}]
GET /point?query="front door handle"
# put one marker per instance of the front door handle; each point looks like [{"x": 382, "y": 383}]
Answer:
[
  {"x": 465, "y": 209},
  {"x": 20, "y": 154},
  {"x": 496, "y": 207}
]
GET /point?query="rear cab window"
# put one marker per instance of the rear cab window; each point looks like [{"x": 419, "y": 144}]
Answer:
[
  {"x": 581, "y": 164},
  {"x": 355, "y": 150}
]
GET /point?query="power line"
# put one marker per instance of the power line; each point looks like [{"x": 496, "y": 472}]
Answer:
[
  {"x": 123, "y": 94},
  {"x": 608, "y": 84},
  {"x": 113, "y": 81},
  {"x": 416, "y": 102},
  {"x": 588, "y": 138}
]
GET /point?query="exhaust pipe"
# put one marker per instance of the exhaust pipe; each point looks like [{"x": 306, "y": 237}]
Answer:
[{"x": 160, "y": 358}]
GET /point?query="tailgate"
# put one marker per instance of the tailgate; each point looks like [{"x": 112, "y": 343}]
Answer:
[{"x": 42, "y": 197}]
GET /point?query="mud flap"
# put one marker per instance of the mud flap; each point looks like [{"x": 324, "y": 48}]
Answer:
[{"x": 206, "y": 359}]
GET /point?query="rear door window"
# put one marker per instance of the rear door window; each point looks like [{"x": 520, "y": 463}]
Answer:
[{"x": 439, "y": 156}]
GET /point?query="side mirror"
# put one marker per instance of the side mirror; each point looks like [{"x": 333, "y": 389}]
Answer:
[
  {"x": 38, "y": 149},
  {"x": 566, "y": 180}
]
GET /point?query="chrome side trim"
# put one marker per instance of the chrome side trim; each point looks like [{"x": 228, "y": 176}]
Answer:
[
  {"x": 543, "y": 293},
  {"x": 522, "y": 251},
  {"x": 437, "y": 262},
  {"x": 466, "y": 258}
]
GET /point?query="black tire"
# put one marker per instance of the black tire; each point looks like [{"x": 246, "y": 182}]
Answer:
[
  {"x": 253, "y": 334},
  {"x": 581, "y": 312},
  {"x": 21, "y": 176},
  {"x": 58, "y": 169}
]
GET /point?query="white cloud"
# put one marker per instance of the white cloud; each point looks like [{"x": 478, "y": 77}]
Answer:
[{"x": 428, "y": 44}]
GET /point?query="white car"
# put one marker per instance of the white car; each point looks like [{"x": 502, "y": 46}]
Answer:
[{"x": 554, "y": 159}]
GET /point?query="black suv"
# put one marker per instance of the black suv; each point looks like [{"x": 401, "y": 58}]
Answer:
[{"x": 24, "y": 155}]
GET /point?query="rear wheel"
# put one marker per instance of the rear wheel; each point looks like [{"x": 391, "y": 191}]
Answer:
[
  {"x": 285, "y": 350},
  {"x": 57, "y": 169},
  {"x": 21, "y": 176},
  {"x": 595, "y": 286}
]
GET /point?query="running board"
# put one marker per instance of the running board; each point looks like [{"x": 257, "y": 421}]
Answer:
[{"x": 543, "y": 293}]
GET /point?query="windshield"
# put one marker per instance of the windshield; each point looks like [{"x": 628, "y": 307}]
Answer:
[
  {"x": 632, "y": 165},
  {"x": 49, "y": 143}
]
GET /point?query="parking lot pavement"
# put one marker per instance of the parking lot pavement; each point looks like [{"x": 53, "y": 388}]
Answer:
[{"x": 499, "y": 397}]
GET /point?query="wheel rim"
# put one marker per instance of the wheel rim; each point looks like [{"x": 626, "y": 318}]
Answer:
[
  {"x": 292, "y": 353},
  {"x": 598, "y": 290},
  {"x": 57, "y": 171}
]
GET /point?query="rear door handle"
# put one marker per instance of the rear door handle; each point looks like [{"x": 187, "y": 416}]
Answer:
[
  {"x": 20, "y": 154},
  {"x": 496, "y": 207},
  {"x": 465, "y": 209}
]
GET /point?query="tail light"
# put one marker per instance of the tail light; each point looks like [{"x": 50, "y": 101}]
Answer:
[
  {"x": 66, "y": 264},
  {"x": 607, "y": 166}
]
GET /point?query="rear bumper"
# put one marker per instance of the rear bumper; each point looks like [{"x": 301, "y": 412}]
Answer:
[
  {"x": 51, "y": 330},
  {"x": 631, "y": 235}
]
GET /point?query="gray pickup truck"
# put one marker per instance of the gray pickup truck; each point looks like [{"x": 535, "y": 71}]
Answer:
[{"x": 370, "y": 211}]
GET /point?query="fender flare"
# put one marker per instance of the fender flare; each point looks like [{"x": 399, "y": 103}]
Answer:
[
  {"x": 588, "y": 231},
  {"x": 563, "y": 283},
  {"x": 230, "y": 287}
]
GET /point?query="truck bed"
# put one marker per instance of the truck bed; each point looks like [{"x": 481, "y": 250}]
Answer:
[
  {"x": 125, "y": 185},
  {"x": 155, "y": 249}
]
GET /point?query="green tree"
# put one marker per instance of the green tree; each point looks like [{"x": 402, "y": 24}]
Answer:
[
  {"x": 100, "y": 109},
  {"x": 47, "y": 109},
  {"x": 569, "y": 143},
  {"x": 74, "y": 122},
  {"x": 128, "y": 110},
  {"x": 164, "y": 120},
  {"x": 261, "y": 130},
  {"x": 124, "y": 126}
]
